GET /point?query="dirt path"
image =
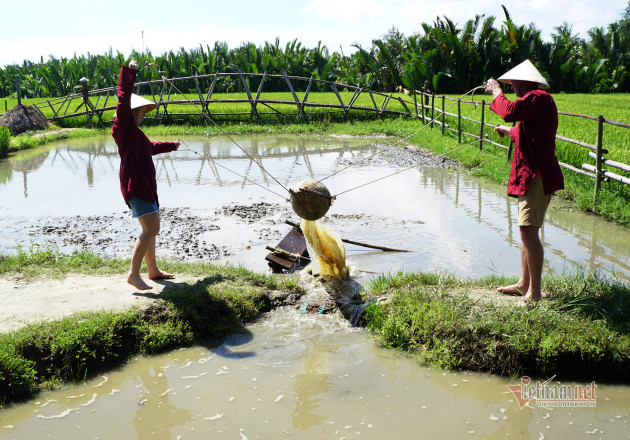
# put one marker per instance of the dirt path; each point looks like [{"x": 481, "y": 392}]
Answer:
[{"x": 25, "y": 302}]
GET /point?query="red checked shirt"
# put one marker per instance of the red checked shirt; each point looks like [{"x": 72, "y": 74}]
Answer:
[
  {"x": 535, "y": 141},
  {"x": 137, "y": 171}
]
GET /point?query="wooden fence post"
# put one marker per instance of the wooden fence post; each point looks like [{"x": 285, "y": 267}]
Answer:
[
  {"x": 422, "y": 106},
  {"x": 459, "y": 121},
  {"x": 415, "y": 102},
  {"x": 432, "y": 108},
  {"x": 443, "y": 112},
  {"x": 598, "y": 159},
  {"x": 483, "y": 107}
]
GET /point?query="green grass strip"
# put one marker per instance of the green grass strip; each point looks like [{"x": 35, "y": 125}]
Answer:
[
  {"x": 581, "y": 330},
  {"x": 44, "y": 355}
]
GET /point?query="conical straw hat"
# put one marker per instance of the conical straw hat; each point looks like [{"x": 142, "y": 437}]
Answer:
[
  {"x": 138, "y": 101},
  {"x": 525, "y": 72}
]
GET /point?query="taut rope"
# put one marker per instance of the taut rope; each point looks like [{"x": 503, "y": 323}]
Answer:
[
  {"x": 471, "y": 91},
  {"x": 231, "y": 171},
  {"x": 400, "y": 171},
  {"x": 164, "y": 78}
]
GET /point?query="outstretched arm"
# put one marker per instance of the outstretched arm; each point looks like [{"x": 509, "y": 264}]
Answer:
[{"x": 126, "y": 80}]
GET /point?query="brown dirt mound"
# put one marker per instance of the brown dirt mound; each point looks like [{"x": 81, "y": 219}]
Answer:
[{"x": 22, "y": 118}]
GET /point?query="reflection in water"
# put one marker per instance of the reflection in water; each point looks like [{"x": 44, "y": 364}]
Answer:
[
  {"x": 157, "y": 415},
  {"x": 310, "y": 386},
  {"x": 306, "y": 377},
  {"x": 453, "y": 221}
]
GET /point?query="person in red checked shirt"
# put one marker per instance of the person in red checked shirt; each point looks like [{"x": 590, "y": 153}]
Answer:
[
  {"x": 137, "y": 174},
  {"x": 535, "y": 174}
]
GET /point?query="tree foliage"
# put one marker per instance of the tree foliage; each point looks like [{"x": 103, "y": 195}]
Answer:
[{"x": 452, "y": 58}]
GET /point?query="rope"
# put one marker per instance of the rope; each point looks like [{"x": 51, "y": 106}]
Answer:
[
  {"x": 400, "y": 171},
  {"x": 231, "y": 171},
  {"x": 164, "y": 78},
  {"x": 472, "y": 91}
]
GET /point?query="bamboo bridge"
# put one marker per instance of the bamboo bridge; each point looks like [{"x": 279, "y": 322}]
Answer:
[{"x": 93, "y": 104}]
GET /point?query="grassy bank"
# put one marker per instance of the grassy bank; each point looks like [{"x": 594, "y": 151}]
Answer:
[
  {"x": 581, "y": 330},
  {"x": 45, "y": 355}
]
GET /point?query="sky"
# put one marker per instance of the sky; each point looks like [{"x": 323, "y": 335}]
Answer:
[{"x": 63, "y": 28}]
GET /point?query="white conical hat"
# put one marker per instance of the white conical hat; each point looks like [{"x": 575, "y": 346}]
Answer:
[
  {"x": 138, "y": 101},
  {"x": 525, "y": 72}
]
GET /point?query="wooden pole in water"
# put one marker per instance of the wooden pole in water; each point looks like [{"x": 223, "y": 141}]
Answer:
[{"x": 381, "y": 248}]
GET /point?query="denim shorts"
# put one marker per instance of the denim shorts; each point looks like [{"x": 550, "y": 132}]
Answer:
[{"x": 141, "y": 207}]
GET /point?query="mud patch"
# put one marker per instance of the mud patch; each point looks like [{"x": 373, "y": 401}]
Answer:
[
  {"x": 254, "y": 212},
  {"x": 181, "y": 234},
  {"x": 403, "y": 157}
]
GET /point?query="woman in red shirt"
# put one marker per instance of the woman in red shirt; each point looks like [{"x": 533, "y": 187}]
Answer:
[
  {"x": 535, "y": 174},
  {"x": 137, "y": 174}
]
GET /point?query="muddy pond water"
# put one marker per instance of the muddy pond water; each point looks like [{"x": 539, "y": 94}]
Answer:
[{"x": 291, "y": 375}]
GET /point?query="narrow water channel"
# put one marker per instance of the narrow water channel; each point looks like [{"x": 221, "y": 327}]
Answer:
[
  {"x": 292, "y": 375},
  {"x": 306, "y": 377}
]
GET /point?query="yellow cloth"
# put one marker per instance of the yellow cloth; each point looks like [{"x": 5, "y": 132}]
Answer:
[{"x": 328, "y": 248}]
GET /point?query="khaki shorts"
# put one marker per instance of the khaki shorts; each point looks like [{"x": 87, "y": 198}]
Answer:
[{"x": 533, "y": 205}]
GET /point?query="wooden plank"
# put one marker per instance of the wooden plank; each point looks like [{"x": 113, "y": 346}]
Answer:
[
  {"x": 617, "y": 123},
  {"x": 616, "y": 177},
  {"x": 573, "y": 141},
  {"x": 60, "y": 107},
  {"x": 384, "y": 103},
  {"x": 246, "y": 88},
  {"x": 308, "y": 89},
  {"x": 334, "y": 89},
  {"x": 404, "y": 105},
  {"x": 158, "y": 115},
  {"x": 374, "y": 102},
  {"x": 586, "y": 166},
  {"x": 297, "y": 101},
  {"x": 202, "y": 115},
  {"x": 354, "y": 98},
  {"x": 611, "y": 163},
  {"x": 279, "y": 261},
  {"x": 593, "y": 118},
  {"x": 206, "y": 103}
]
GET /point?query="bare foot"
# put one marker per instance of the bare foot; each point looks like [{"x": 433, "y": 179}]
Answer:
[
  {"x": 528, "y": 301},
  {"x": 514, "y": 289},
  {"x": 137, "y": 282},
  {"x": 160, "y": 275}
]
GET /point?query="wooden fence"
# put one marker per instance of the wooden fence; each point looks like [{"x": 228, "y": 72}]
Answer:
[
  {"x": 163, "y": 92},
  {"x": 597, "y": 152}
]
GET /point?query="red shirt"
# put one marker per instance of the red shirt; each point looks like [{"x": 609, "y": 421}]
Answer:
[
  {"x": 137, "y": 171},
  {"x": 535, "y": 141}
]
